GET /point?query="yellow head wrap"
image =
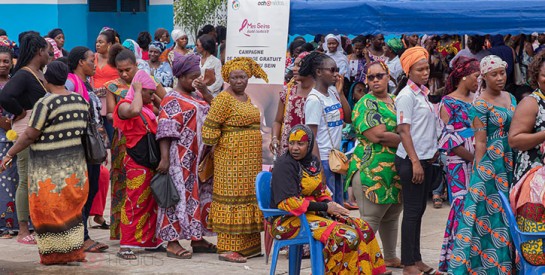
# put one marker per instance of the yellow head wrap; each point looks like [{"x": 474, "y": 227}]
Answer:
[
  {"x": 246, "y": 64},
  {"x": 298, "y": 135},
  {"x": 411, "y": 56}
]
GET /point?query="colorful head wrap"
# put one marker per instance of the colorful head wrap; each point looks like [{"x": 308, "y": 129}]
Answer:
[
  {"x": 298, "y": 135},
  {"x": 464, "y": 66},
  {"x": 492, "y": 62},
  {"x": 177, "y": 34},
  {"x": 105, "y": 28},
  {"x": 411, "y": 56},
  {"x": 56, "y": 52},
  {"x": 395, "y": 45},
  {"x": 147, "y": 83},
  {"x": 133, "y": 46},
  {"x": 160, "y": 46},
  {"x": 246, "y": 64},
  {"x": 4, "y": 42},
  {"x": 184, "y": 64},
  {"x": 303, "y": 55}
]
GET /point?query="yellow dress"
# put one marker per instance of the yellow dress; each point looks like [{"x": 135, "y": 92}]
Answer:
[
  {"x": 350, "y": 246},
  {"x": 234, "y": 128}
]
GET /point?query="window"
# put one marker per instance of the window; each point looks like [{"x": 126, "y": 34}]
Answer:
[
  {"x": 103, "y": 5},
  {"x": 133, "y": 5}
]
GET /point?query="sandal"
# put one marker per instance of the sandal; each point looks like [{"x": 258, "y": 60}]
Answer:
[
  {"x": 182, "y": 253},
  {"x": 126, "y": 255},
  {"x": 431, "y": 271},
  {"x": 6, "y": 235},
  {"x": 393, "y": 263},
  {"x": 28, "y": 240},
  {"x": 161, "y": 248},
  {"x": 437, "y": 202},
  {"x": 103, "y": 225},
  {"x": 96, "y": 247},
  {"x": 209, "y": 248},
  {"x": 232, "y": 257}
]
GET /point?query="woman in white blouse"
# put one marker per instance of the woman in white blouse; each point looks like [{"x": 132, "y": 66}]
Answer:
[{"x": 206, "y": 47}]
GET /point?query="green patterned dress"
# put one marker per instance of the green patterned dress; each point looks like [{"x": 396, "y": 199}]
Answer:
[{"x": 373, "y": 161}]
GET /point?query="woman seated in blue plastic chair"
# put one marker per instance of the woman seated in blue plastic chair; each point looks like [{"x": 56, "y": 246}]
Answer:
[{"x": 298, "y": 187}]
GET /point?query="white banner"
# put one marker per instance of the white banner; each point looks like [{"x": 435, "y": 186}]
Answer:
[{"x": 259, "y": 29}]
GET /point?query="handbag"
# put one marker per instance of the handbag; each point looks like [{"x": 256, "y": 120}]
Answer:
[
  {"x": 93, "y": 144},
  {"x": 338, "y": 162},
  {"x": 146, "y": 152},
  {"x": 206, "y": 167},
  {"x": 164, "y": 191}
]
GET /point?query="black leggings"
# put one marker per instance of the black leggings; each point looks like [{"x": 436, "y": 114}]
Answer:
[{"x": 414, "y": 205}]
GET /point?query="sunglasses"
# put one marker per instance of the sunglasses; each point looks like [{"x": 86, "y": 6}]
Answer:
[
  {"x": 371, "y": 77},
  {"x": 332, "y": 69}
]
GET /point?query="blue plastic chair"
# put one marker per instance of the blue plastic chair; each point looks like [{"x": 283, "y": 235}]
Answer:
[
  {"x": 520, "y": 237},
  {"x": 263, "y": 193}
]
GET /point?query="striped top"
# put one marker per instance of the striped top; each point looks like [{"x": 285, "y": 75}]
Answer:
[{"x": 62, "y": 119}]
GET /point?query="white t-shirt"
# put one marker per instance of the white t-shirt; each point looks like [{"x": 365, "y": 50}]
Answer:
[{"x": 315, "y": 103}]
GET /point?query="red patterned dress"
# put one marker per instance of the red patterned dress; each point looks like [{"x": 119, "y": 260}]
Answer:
[
  {"x": 181, "y": 121},
  {"x": 294, "y": 112}
]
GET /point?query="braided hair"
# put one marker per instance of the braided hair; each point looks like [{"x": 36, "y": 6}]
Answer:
[
  {"x": 118, "y": 53},
  {"x": 76, "y": 54},
  {"x": 31, "y": 44},
  {"x": 535, "y": 67},
  {"x": 311, "y": 63}
]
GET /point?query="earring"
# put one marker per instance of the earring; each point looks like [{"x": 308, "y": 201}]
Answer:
[{"x": 464, "y": 78}]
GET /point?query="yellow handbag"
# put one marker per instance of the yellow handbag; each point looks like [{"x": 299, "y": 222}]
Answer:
[{"x": 206, "y": 167}]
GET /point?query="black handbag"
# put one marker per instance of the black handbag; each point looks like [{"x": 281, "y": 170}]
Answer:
[
  {"x": 164, "y": 191},
  {"x": 146, "y": 152},
  {"x": 93, "y": 144}
]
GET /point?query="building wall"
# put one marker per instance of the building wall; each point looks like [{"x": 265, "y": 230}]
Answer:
[{"x": 80, "y": 26}]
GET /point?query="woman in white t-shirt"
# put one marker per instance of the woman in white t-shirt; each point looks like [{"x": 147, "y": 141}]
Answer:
[{"x": 325, "y": 112}]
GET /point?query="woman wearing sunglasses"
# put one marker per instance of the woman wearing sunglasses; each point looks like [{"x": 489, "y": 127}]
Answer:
[
  {"x": 325, "y": 111},
  {"x": 372, "y": 174}
]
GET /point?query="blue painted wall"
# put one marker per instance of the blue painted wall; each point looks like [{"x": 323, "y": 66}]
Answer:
[{"x": 80, "y": 26}]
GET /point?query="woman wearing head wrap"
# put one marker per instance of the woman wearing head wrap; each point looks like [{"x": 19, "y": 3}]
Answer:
[
  {"x": 58, "y": 36},
  {"x": 391, "y": 50},
  {"x": 56, "y": 52},
  {"x": 233, "y": 126},
  {"x": 180, "y": 43},
  {"x": 527, "y": 136},
  {"x": 134, "y": 116},
  {"x": 125, "y": 62},
  {"x": 291, "y": 108},
  {"x": 57, "y": 178},
  {"x": 457, "y": 141},
  {"x": 333, "y": 48},
  {"x": 415, "y": 154},
  {"x": 135, "y": 48},
  {"x": 188, "y": 219},
  {"x": 160, "y": 70},
  {"x": 492, "y": 173},
  {"x": 297, "y": 187}
]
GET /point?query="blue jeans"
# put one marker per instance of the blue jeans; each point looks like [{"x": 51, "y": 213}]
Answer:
[{"x": 334, "y": 182}]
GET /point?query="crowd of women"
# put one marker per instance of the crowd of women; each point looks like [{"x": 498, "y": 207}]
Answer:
[{"x": 407, "y": 111}]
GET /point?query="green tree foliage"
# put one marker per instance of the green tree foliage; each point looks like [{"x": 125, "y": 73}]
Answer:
[{"x": 193, "y": 14}]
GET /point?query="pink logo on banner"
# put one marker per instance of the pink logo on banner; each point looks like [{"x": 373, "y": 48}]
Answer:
[{"x": 244, "y": 27}]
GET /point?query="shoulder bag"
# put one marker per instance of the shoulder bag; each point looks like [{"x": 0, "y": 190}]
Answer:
[
  {"x": 146, "y": 152},
  {"x": 338, "y": 162},
  {"x": 93, "y": 144}
]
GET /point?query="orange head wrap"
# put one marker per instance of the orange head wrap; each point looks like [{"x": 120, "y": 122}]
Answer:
[{"x": 411, "y": 56}]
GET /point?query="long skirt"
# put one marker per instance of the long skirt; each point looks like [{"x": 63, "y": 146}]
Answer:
[
  {"x": 350, "y": 246},
  {"x": 117, "y": 178},
  {"x": 139, "y": 210}
]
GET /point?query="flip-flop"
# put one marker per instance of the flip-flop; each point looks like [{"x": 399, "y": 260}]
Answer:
[
  {"x": 209, "y": 248},
  {"x": 126, "y": 255},
  {"x": 27, "y": 240},
  {"x": 232, "y": 257},
  {"x": 182, "y": 253},
  {"x": 6, "y": 235},
  {"x": 104, "y": 225},
  {"x": 97, "y": 247},
  {"x": 393, "y": 264}
]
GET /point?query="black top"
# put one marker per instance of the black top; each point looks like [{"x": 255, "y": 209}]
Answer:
[{"x": 21, "y": 92}]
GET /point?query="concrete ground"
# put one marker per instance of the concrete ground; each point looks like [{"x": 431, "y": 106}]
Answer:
[{"x": 16, "y": 258}]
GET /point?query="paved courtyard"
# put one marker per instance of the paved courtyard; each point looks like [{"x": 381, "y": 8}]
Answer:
[{"x": 18, "y": 259}]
